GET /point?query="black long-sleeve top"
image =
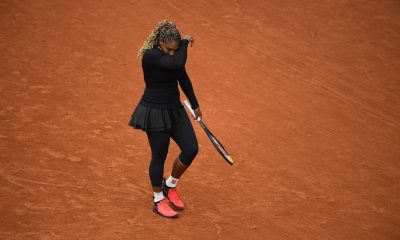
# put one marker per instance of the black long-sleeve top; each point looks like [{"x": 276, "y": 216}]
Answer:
[{"x": 162, "y": 72}]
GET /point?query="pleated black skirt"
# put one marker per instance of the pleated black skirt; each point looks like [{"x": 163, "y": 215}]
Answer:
[{"x": 154, "y": 119}]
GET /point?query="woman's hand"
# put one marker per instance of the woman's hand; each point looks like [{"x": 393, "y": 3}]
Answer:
[
  {"x": 197, "y": 112},
  {"x": 189, "y": 38}
]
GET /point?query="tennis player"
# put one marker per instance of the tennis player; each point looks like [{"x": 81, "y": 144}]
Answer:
[{"x": 161, "y": 114}]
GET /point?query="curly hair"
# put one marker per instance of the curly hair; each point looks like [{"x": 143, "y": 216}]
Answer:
[{"x": 163, "y": 31}]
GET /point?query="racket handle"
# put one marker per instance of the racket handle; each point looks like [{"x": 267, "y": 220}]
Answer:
[{"x": 189, "y": 107}]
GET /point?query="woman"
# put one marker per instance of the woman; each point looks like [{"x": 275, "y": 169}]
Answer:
[{"x": 161, "y": 114}]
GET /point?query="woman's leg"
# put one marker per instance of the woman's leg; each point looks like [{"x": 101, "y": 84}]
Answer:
[
  {"x": 159, "y": 143},
  {"x": 183, "y": 134}
]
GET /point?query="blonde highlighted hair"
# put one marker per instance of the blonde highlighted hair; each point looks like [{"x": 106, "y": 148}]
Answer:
[{"x": 163, "y": 31}]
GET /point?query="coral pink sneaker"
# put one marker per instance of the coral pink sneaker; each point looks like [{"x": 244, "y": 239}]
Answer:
[
  {"x": 172, "y": 195},
  {"x": 162, "y": 207}
]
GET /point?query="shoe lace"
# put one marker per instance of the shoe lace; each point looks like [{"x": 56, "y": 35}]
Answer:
[
  {"x": 174, "y": 193},
  {"x": 163, "y": 203}
]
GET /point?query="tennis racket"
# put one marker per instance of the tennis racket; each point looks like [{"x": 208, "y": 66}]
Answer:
[{"x": 211, "y": 136}]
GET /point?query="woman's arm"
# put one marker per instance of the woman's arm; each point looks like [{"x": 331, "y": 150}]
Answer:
[
  {"x": 174, "y": 62},
  {"x": 187, "y": 88}
]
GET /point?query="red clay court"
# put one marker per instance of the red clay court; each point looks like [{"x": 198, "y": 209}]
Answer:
[{"x": 304, "y": 94}]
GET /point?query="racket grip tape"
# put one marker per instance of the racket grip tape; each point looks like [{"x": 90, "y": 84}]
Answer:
[{"x": 189, "y": 107}]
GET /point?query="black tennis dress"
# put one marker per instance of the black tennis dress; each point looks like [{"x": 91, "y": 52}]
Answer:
[{"x": 160, "y": 105}]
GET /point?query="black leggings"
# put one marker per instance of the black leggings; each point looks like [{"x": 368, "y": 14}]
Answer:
[{"x": 183, "y": 134}]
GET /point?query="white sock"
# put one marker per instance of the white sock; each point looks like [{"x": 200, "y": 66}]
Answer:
[
  {"x": 171, "y": 181},
  {"x": 158, "y": 196}
]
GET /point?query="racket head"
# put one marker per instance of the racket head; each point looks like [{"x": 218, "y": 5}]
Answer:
[{"x": 218, "y": 145}]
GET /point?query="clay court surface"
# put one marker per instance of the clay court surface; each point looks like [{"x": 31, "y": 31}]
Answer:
[{"x": 304, "y": 94}]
